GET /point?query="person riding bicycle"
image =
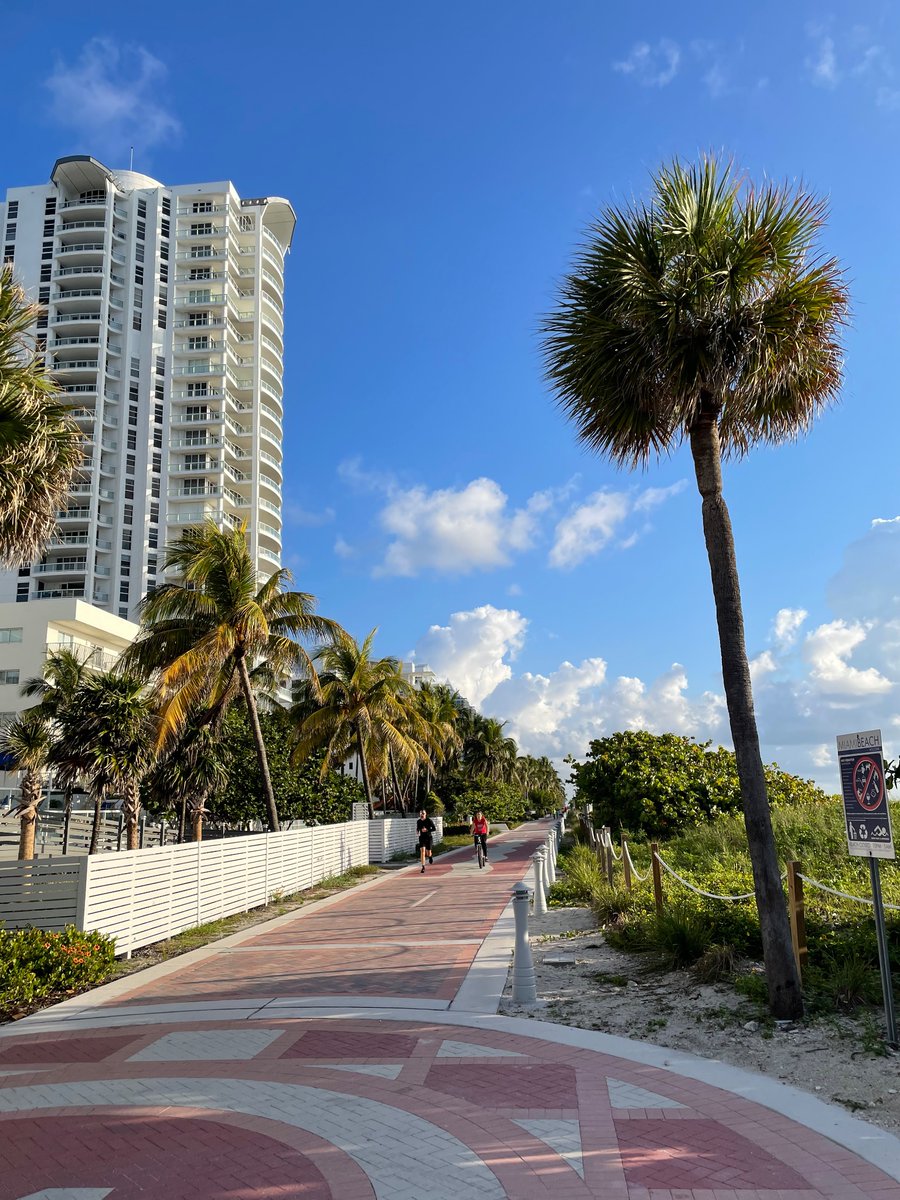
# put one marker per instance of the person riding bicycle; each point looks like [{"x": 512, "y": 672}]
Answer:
[{"x": 480, "y": 830}]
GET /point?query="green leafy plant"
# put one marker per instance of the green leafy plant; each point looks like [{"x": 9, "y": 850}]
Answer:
[
  {"x": 683, "y": 935},
  {"x": 35, "y": 964},
  {"x": 716, "y": 963}
]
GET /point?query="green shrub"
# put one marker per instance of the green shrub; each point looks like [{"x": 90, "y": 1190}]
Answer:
[
  {"x": 846, "y": 982},
  {"x": 682, "y": 935},
  {"x": 35, "y": 964},
  {"x": 716, "y": 963}
]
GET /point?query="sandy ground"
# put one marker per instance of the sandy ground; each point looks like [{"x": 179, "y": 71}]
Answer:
[{"x": 582, "y": 981}]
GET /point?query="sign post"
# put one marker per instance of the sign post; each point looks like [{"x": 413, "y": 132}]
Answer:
[{"x": 868, "y": 825}]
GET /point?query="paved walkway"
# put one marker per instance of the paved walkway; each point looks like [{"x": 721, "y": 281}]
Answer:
[{"x": 352, "y": 1050}]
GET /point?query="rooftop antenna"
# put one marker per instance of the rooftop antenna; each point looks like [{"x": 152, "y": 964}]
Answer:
[{"x": 131, "y": 160}]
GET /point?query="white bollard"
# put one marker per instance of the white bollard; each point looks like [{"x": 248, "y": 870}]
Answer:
[
  {"x": 540, "y": 891},
  {"x": 549, "y": 865},
  {"x": 524, "y": 988}
]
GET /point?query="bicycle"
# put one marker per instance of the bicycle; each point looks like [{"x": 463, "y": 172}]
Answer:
[{"x": 479, "y": 851}]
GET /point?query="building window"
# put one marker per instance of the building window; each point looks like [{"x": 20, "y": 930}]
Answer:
[
  {"x": 126, "y": 539},
  {"x": 201, "y": 273},
  {"x": 199, "y": 228},
  {"x": 44, "y": 295},
  {"x": 128, "y": 514},
  {"x": 164, "y": 250},
  {"x": 135, "y": 368},
  {"x": 202, "y": 206},
  {"x": 142, "y": 208},
  {"x": 21, "y": 593},
  {"x": 157, "y": 416},
  {"x": 160, "y": 364},
  {"x": 136, "y": 321},
  {"x": 129, "y": 464},
  {"x": 47, "y": 250},
  {"x": 138, "y": 274},
  {"x": 157, "y": 438},
  {"x": 138, "y": 297},
  {"x": 159, "y": 392},
  {"x": 12, "y": 209},
  {"x": 10, "y": 635},
  {"x": 9, "y": 255},
  {"x": 132, "y": 439},
  {"x": 123, "y": 613},
  {"x": 153, "y": 539},
  {"x": 151, "y": 564},
  {"x": 198, "y": 389},
  {"x": 161, "y": 321},
  {"x": 154, "y": 488},
  {"x": 164, "y": 272},
  {"x": 200, "y": 342},
  {"x": 139, "y": 253},
  {"x": 247, "y": 223},
  {"x": 133, "y": 393},
  {"x": 154, "y": 514},
  {"x": 164, "y": 228},
  {"x": 9, "y": 676},
  {"x": 123, "y": 593},
  {"x": 132, "y": 415},
  {"x": 140, "y": 231},
  {"x": 156, "y": 465},
  {"x": 129, "y": 490},
  {"x": 125, "y": 566},
  {"x": 46, "y": 270},
  {"x": 198, "y": 319}
]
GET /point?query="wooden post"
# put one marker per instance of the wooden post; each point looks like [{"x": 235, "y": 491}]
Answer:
[
  {"x": 657, "y": 878},
  {"x": 626, "y": 865},
  {"x": 797, "y": 913},
  {"x": 607, "y": 840}
]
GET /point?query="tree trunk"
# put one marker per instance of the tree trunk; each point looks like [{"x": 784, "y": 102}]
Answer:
[
  {"x": 132, "y": 807},
  {"x": 95, "y": 827},
  {"x": 367, "y": 786},
  {"x": 782, "y": 976},
  {"x": 31, "y": 798},
  {"x": 262, "y": 757},
  {"x": 197, "y": 811},
  {"x": 398, "y": 799},
  {"x": 67, "y": 819},
  {"x": 182, "y": 820}
]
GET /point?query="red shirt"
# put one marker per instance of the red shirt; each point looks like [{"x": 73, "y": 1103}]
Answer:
[{"x": 480, "y": 826}]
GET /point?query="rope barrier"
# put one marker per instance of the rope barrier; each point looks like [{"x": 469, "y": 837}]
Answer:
[
  {"x": 606, "y": 841},
  {"x": 640, "y": 878},
  {"x": 823, "y": 887},
  {"x": 709, "y": 895}
]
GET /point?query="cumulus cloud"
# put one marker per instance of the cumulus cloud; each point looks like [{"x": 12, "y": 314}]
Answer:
[
  {"x": 475, "y": 649},
  {"x": 786, "y": 626},
  {"x": 112, "y": 97},
  {"x": 651, "y": 66},
  {"x": 827, "y": 650},
  {"x": 456, "y": 530},
  {"x": 822, "y": 63},
  {"x": 591, "y": 527},
  {"x": 854, "y": 57},
  {"x": 764, "y": 664}
]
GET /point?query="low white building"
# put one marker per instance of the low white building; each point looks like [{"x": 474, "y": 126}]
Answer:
[{"x": 29, "y": 632}]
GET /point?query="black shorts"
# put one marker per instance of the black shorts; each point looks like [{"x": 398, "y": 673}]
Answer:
[{"x": 424, "y": 841}]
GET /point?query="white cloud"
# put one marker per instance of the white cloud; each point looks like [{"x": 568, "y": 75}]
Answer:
[
  {"x": 296, "y": 514},
  {"x": 651, "y": 66},
  {"x": 343, "y": 549},
  {"x": 475, "y": 649},
  {"x": 764, "y": 664},
  {"x": 112, "y": 97},
  {"x": 456, "y": 530},
  {"x": 827, "y": 650},
  {"x": 823, "y": 755},
  {"x": 822, "y": 64},
  {"x": 590, "y": 527},
  {"x": 786, "y": 626}
]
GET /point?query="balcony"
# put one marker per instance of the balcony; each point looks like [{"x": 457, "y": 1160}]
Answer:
[
  {"x": 80, "y": 340},
  {"x": 89, "y": 269},
  {"x": 269, "y": 506},
  {"x": 195, "y": 298},
  {"x": 73, "y": 389},
  {"x": 200, "y": 369},
  {"x": 193, "y": 516},
  {"x": 272, "y": 460},
  {"x": 74, "y": 364},
  {"x": 191, "y": 443},
  {"x": 85, "y": 202},
  {"x": 209, "y": 466},
  {"x": 76, "y": 593},
  {"x": 206, "y": 489},
  {"x": 207, "y": 344},
  {"x": 190, "y": 211},
  {"x": 63, "y": 566},
  {"x": 269, "y": 556},
  {"x": 69, "y": 226},
  {"x": 78, "y": 294},
  {"x": 269, "y": 482},
  {"x": 81, "y": 248},
  {"x": 81, "y": 318},
  {"x": 211, "y": 323},
  {"x": 73, "y": 514},
  {"x": 207, "y": 418}
]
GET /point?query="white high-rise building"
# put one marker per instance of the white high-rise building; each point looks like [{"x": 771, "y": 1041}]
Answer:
[{"x": 164, "y": 324}]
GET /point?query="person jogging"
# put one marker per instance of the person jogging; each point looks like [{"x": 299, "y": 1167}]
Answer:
[
  {"x": 425, "y": 827},
  {"x": 480, "y": 830}
]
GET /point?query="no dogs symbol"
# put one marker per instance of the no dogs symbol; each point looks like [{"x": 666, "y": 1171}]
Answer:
[{"x": 868, "y": 783}]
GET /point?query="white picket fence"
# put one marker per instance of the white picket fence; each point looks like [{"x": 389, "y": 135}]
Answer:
[
  {"x": 143, "y": 896},
  {"x": 394, "y": 835}
]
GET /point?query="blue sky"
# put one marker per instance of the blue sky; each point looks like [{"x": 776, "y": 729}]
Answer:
[{"x": 444, "y": 162}]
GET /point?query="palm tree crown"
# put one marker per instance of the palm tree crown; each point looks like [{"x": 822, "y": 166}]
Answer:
[
  {"x": 39, "y": 444},
  {"x": 710, "y": 294},
  {"x": 205, "y": 637}
]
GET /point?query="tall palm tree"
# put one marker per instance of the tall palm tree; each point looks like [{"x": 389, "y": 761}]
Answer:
[
  {"x": 25, "y": 743},
  {"x": 707, "y": 316},
  {"x": 204, "y": 637},
  {"x": 110, "y": 731},
  {"x": 40, "y": 446},
  {"x": 365, "y": 707},
  {"x": 489, "y": 751},
  {"x": 193, "y": 770},
  {"x": 438, "y": 707},
  {"x": 63, "y": 673}
]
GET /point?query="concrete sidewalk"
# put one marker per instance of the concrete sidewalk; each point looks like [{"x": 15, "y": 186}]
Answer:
[{"x": 352, "y": 1049}]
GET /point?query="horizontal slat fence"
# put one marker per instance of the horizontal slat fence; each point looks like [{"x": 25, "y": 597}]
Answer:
[{"x": 143, "y": 896}]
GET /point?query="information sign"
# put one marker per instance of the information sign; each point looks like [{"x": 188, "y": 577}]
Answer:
[{"x": 865, "y": 798}]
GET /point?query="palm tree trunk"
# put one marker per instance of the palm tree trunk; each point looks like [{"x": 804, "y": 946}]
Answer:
[
  {"x": 197, "y": 811},
  {"x": 253, "y": 715},
  {"x": 367, "y": 786},
  {"x": 182, "y": 820},
  {"x": 95, "y": 827},
  {"x": 31, "y": 798},
  {"x": 398, "y": 798},
  {"x": 782, "y": 975},
  {"x": 132, "y": 813},
  {"x": 67, "y": 818}
]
